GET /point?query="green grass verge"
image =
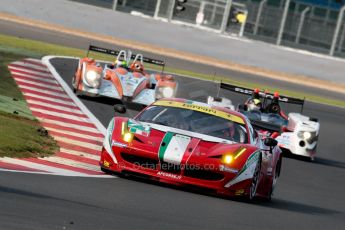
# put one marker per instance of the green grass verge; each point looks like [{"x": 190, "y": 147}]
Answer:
[
  {"x": 23, "y": 137},
  {"x": 8, "y": 86},
  {"x": 18, "y": 128},
  {"x": 36, "y": 48}
]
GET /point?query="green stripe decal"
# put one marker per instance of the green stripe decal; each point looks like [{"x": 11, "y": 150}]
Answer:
[{"x": 164, "y": 145}]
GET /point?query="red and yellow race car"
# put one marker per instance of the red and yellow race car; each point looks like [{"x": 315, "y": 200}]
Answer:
[
  {"x": 125, "y": 79},
  {"x": 183, "y": 142}
]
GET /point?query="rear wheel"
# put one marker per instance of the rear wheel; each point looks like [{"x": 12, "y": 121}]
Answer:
[
  {"x": 275, "y": 179},
  {"x": 255, "y": 181}
]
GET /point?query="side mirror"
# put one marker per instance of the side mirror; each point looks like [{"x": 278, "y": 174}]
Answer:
[
  {"x": 119, "y": 108},
  {"x": 270, "y": 142}
]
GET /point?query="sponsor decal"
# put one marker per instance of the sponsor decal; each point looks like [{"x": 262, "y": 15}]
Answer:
[
  {"x": 138, "y": 128},
  {"x": 106, "y": 163},
  {"x": 239, "y": 192},
  {"x": 170, "y": 175},
  {"x": 201, "y": 108},
  {"x": 224, "y": 168},
  {"x": 118, "y": 144}
]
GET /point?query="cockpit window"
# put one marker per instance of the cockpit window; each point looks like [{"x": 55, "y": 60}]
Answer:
[{"x": 195, "y": 121}]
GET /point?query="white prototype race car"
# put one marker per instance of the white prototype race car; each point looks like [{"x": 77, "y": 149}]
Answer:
[{"x": 295, "y": 133}]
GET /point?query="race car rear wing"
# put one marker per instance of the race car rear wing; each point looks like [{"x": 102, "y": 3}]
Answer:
[
  {"x": 116, "y": 52},
  {"x": 247, "y": 91}
]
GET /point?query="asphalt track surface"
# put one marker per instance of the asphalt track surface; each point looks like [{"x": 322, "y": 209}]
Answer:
[
  {"x": 18, "y": 30},
  {"x": 308, "y": 195}
]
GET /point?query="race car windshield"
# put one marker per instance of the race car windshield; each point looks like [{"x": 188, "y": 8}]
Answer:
[
  {"x": 195, "y": 121},
  {"x": 271, "y": 118}
]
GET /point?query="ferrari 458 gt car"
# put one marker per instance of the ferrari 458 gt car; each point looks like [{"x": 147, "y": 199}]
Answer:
[
  {"x": 184, "y": 142},
  {"x": 295, "y": 133},
  {"x": 125, "y": 79}
]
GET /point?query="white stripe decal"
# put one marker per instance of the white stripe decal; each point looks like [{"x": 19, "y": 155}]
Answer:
[
  {"x": 176, "y": 148},
  {"x": 62, "y": 94},
  {"x": 68, "y": 125},
  {"x": 78, "y": 143},
  {"x": 80, "y": 154},
  {"x": 51, "y": 99},
  {"x": 75, "y": 134},
  {"x": 47, "y": 112},
  {"x": 66, "y": 109}
]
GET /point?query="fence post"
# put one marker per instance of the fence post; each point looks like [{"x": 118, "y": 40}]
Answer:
[
  {"x": 226, "y": 16},
  {"x": 282, "y": 23},
  {"x": 258, "y": 16},
  {"x": 114, "y": 4},
  {"x": 215, "y": 5},
  {"x": 171, "y": 12},
  {"x": 300, "y": 25},
  {"x": 336, "y": 32},
  {"x": 158, "y": 5},
  {"x": 341, "y": 42}
]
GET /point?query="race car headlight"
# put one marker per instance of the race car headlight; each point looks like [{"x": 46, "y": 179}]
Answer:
[
  {"x": 227, "y": 159},
  {"x": 168, "y": 92},
  {"x": 92, "y": 78},
  {"x": 305, "y": 135},
  {"x": 128, "y": 137}
]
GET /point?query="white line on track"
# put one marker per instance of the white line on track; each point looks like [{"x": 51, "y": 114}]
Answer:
[
  {"x": 98, "y": 124},
  {"x": 77, "y": 164},
  {"x": 76, "y": 134},
  {"x": 78, "y": 143},
  {"x": 49, "y": 80},
  {"x": 50, "y": 99},
  {"x": 38, "y": 84},
  {"x": 66, "y": 109},
  {"x": 31, "y": 66},
  {"x": 37, "y": 166},
  {"x": 29, "y": 71},
  {"x": 62, "y": 94},
  {"x": 61, "y": 115},
  {"x": 80, "y": 154},
  {"x": 69, "y": 125}
]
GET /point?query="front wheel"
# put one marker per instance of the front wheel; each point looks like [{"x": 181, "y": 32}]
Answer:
[{"x": 255, "y": 181}]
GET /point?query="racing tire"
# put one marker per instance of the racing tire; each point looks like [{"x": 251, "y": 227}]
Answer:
[
  {"x": 255, "y": 181},
  {"x": 106, "y": 171},
  {"x": 74, "y": 88},
  {"x": 274, "y": 181}
]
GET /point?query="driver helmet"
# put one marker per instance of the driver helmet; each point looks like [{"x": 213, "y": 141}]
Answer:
[
  {"x": 254, "y": 105},
  {"x": 256, "y": 94},
  {"x": 275, "y": 97},
  {"x": 121, "y": 63}
]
